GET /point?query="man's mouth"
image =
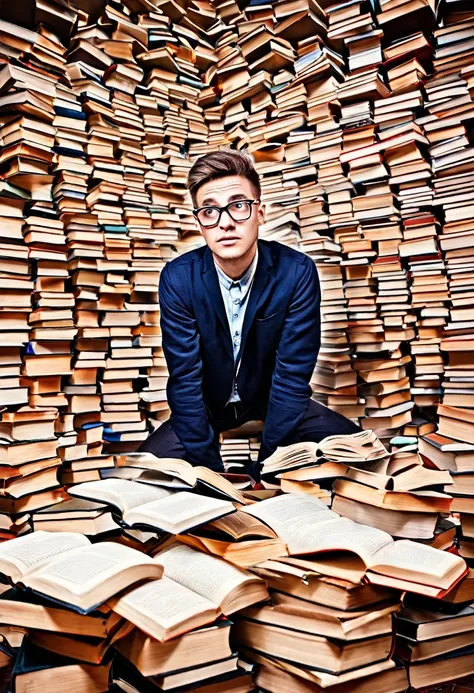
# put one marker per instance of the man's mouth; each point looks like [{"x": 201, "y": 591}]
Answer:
[{"x": 228, "y": 239}]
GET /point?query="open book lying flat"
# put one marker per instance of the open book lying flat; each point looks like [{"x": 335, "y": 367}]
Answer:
[
  {"x": 308, "y": 527},
  {"x": 356, "y": 448},
  {"x": 151, "y": 507},
  {"x": 67, "y": 568}
]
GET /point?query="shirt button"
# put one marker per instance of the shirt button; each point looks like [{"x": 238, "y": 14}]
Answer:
[
  {"x": 237, "y": 333},
  {"x": 236, "y": 315},
  {"x": 236, "y": 300}
]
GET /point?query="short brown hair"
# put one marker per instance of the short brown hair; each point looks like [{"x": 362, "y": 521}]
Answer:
[{"x": 226, "y": 162}]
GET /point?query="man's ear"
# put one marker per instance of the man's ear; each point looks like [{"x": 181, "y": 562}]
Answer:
[{"x": 261, "y": 213}]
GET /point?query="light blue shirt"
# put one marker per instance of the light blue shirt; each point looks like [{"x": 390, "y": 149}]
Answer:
[{"x": 235, "y": 294}]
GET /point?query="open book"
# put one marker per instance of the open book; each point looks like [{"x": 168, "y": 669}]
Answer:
[
  {"x": 179, "y": 475},
  {"x": 226, "y": 586},
  {"x": 308, "y": 527},
  {"x": 348, "y": 449},
  {"x": 143, "y": 506},
  {"x": 66, "y": 567},
  {"x": 165, "y": 609},
  {"x": 238, "y": 538}
]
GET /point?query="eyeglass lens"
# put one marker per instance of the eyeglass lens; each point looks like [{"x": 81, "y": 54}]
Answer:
[{"x": 238, "y": 211}]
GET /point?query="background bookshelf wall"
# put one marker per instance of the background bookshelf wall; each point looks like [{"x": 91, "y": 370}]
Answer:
[{"x": 360, "y": 121}]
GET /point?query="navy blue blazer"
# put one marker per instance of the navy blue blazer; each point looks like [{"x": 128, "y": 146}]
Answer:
[{"x": 279, "y": 347}]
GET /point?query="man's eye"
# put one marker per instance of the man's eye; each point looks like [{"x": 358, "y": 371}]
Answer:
[
  {"x": 239, "y": 205},
  {"x": 209, "y": 211}
]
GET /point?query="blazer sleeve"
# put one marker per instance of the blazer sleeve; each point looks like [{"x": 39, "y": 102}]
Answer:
[
  {"x": 295, "y": 361},
  {"x": 181, "y": 345}
]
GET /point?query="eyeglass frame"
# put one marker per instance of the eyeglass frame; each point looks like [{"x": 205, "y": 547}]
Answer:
[{"x": 224, "y": 209}]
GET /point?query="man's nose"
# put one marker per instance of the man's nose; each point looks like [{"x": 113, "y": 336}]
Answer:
[{"x": 226, "y": 221}]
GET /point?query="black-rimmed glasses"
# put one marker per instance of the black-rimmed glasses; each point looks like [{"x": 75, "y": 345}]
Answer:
[{"x": 240, "y": 210}]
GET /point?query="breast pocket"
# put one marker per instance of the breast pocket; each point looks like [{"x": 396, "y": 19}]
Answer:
[{"x": 273, "y": 317}]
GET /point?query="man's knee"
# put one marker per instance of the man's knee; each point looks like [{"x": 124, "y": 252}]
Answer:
[
  {"x": 321, "y": 422},
  {"x": 163, "y": 442}
]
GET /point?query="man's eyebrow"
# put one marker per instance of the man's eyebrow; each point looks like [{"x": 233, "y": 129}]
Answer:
[
  {"x": 210, "y": 201},
  {"x": 238, "y": 196}
]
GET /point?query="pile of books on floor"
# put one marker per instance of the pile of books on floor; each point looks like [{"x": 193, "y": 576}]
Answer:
[
  {"x": 165, "y": 616},
  {"x": 167, "y": 577}
]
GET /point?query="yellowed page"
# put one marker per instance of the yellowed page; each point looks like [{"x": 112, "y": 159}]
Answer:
[
  {"x": 178, "y": 512},
  {"x": 24, "y": 554},
  {"x": 159, "y": 605},
  {"x": 121, "y": 493},
  {"x": 210, "y": 577},
  {"x": 292, "y": 516},
  {"x": 85, "y": 576},
  {"x": 411, "y": 560}
]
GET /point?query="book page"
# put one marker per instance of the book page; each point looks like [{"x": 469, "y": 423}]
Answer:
[
  {"x": 85, "y": 569},
  {"x": 288, "y": 514},
  {"x": 208, "y": 476},
  {"x": 404, "y": 556},
  {"x": 210, "y": 577},
  {"x": 19, "y": 557},
  {"x": 241, "y": 524},
  {"x": 341, "y": 535},
  {"x": 180, "y": 511},
  {"x": 363, "y": 445},
  {"x": 163, "y": 601},
  {"x": 292, "y": 455},
  {"x": 121, "y": 493},
  {"x": 170, "y": 466}
]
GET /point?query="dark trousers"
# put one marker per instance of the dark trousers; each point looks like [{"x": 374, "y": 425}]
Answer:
[{"x": 318, "y": 423}]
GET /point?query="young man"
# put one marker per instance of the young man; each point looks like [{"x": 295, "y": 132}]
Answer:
[{"x": 241, "y": 327}]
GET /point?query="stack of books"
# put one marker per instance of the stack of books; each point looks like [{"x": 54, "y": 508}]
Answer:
[
  {"x": 168, "y": 630},
  {"x": 338, "y": 572},
  {"x": 362, "y": 481},
  {"x": 433, "y": 642},
  {"x": 101, "y": 605},
  {"x": 359, "y": 125},
  {"x": 30, "y": 466}
]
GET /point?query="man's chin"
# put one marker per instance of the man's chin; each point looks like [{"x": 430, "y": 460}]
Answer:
[{"x": 231, "y": 253}]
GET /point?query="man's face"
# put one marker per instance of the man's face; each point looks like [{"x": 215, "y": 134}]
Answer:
[{"x": 229, "y": 239}]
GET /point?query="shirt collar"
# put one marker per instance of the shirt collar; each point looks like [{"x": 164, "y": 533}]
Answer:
[{"x": 244, "y": 281}]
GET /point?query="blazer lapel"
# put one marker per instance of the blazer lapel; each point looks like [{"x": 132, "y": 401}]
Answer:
[
  {"x": 213, "y": 290},
  {"x": 262, "y": 286}
]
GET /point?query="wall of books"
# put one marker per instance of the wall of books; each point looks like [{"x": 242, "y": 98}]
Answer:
[{"x": 360, "y": 121}]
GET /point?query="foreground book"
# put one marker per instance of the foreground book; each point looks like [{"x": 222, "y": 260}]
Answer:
[
  {"x": 307, "y": 527},
  {"x": 312, "y": 651},
  {"x": 224, "y": 676},
  {"x": 195, "y": 648},
  {"x": 67, "y": 568},
  {"x": 37, "y": 670},
  {"x": 153, "y": 507},
  {"x": 225, "y": 585},
  {"x": 271, "y": 677},
  {"x": 165, "y": 609}
]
